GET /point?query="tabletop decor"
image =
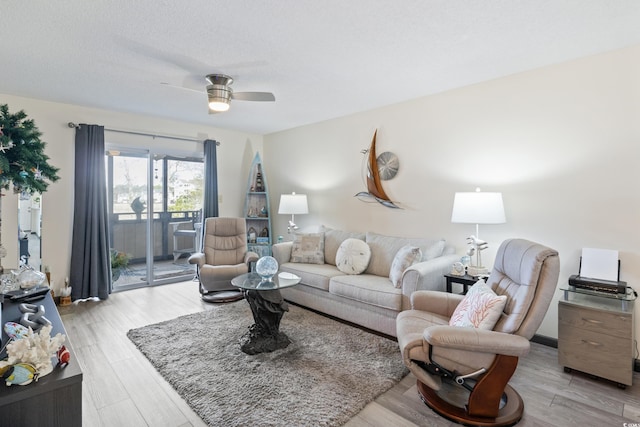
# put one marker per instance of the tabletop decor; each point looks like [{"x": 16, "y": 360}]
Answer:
[
  {"x": 30, "y": 355},
  {"x": 266, "y": 267},
  {"x": 22, "y": 159}
]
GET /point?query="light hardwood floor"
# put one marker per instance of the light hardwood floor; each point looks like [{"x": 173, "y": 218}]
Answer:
[{"x": 121, "y": 388}]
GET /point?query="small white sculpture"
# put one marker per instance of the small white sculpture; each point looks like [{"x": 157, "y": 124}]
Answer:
[{"x": 476, "y": 246}]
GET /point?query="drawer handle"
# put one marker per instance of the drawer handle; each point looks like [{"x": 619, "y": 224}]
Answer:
[
  {"x": 593, "y": 343},
  {"x": 597, "y": 322}
]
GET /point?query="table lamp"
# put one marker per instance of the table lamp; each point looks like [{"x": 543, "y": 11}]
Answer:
[
  {"x": 292, "y": 204},
  {"x": 477, "y": 208}
]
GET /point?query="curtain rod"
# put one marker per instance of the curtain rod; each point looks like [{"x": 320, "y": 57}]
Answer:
[{"x": 179, "y": 138}]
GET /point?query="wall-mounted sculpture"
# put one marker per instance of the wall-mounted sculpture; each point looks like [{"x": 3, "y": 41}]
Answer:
[{"x": 379, "y": 168}]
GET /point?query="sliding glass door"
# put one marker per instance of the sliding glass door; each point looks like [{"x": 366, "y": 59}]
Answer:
[{"x": 155, "y": 200}]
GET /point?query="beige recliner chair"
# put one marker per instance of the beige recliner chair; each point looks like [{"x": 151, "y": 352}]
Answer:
[
  {"x": 224, "y": 256},
  {"x": 463, "y": 372}
]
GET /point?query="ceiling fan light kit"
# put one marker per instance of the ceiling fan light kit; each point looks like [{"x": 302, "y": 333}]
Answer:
[
  {"x": 220, "y": 93},
  {"x": 219, "y": 97}
]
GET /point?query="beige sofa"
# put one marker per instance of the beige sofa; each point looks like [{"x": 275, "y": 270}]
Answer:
[{"x": 369, "y": 299}]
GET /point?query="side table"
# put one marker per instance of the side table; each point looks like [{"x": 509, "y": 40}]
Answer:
[
  {"x": 267, "y": 307},
  {"x": 465, "y": 281},
  {"x": 596, "y": 334}
]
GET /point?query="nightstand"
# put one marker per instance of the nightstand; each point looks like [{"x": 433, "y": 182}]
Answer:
[{"x": 465, "y": 281}]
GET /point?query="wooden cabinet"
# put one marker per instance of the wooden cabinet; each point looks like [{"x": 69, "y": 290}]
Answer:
[
  {"x": 55, "y": 399},
  {"x": 257, "y": 212},
  {"x": 596, "y": 336}
]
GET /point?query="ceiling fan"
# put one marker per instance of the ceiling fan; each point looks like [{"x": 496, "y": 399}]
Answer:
[{"x": 220, "y": 93}]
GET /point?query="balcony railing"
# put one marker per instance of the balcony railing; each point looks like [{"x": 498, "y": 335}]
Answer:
[{"x": 129, "y": 234}]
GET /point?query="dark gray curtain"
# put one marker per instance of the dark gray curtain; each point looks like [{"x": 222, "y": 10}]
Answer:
[
  {"x": 90, "y": 260},
  {"x": 210, "y": 206}
]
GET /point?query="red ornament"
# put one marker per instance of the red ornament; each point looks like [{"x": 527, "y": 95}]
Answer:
[{"x": 63, "y": 356}]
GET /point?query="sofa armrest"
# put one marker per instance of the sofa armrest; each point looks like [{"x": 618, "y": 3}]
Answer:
[
  {"x": 282, "y": 252},
  {"x": 426, "y": 275},
  {"x": 197, "y": 258},
  {"x": 476, "y": 340},
  {"x": 441, "y": 303}
]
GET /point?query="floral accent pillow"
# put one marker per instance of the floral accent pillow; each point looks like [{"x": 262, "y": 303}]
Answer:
[
  {"x": 308, "y": 248},
  {"x": 353, "y": 256},
  {"x": 481, "y": 308},
  {"x": 405, "y": 258}
]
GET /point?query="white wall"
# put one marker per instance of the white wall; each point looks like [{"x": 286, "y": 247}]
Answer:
[
  {"x": 561, "y": 143},
  {"x": 234, "y": 160}
]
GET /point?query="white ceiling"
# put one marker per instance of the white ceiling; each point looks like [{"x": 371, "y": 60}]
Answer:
[{"x": 322, "y": 59}]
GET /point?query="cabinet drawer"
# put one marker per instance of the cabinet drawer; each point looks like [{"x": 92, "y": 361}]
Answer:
[
  {"x": 610, "y": 323},
  {"x": 596, "y": 353}
]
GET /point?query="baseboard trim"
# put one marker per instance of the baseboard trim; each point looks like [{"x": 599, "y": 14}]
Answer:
[
  {"x": 544, "y": 340},
  {"x": 553, "y": 342}
]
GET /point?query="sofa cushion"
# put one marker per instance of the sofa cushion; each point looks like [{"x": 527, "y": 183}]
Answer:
[
  {"x": 353, "y": 256},
  {"x": 332, "y": 241},
  {"x": 433, "y": 250},
  {"x": 384, "y": 249},
  {"x": 368, "y": 289},
  {"x": 308, "y": 248},
  {"x": 480, "y": 308},
  {"x": 314, "y": 275},
  {"x": 405, "y": 257}
]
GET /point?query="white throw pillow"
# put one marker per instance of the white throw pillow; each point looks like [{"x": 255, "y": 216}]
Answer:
[
  {"x": 481, "y": 308},
  {"x": 353, "y": 256},
  {"x": 405, "y": 258},
  {"x": 308, "y": 248}
]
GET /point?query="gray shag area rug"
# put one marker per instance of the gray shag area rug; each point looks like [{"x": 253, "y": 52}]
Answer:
[{"x": 326, "y": 375}]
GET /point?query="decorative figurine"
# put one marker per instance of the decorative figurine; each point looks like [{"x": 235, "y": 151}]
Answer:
[
  {"x": 33, "y": 316},
  {"x": 475, "y": 247},
  {"x": 20, "y": 374},
  {"x": 63, "y": 356}
]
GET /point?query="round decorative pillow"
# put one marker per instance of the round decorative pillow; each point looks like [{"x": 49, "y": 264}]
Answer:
[{"x": 353, "y": 256}]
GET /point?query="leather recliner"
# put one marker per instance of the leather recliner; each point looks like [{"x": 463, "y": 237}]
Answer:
[
  {"x": 224, "y": 256},
  {"x": 463, "y": 372}
]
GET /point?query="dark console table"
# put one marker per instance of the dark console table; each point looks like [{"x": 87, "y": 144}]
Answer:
[{"x": 54, "y": 400}]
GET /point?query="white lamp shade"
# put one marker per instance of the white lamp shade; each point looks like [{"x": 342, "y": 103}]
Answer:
[
  {"x": 293, "y": 204},
  {"x": 478, "y": 208}
]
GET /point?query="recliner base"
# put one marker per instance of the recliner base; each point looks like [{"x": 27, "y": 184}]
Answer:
[
  {"x": 509, "y": 414},
  {"x": 222, "y": 296}
]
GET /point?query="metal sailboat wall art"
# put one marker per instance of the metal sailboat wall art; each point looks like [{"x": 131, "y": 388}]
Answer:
[{"x": 375, "y": 192}]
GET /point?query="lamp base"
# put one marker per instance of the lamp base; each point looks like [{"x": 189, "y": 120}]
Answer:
[{"x": 475, "y": 270}]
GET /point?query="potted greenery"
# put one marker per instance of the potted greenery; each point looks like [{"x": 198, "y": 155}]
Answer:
[{"x": 119, "y": 263}]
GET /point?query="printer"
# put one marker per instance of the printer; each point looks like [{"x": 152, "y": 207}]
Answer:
[
  {"x": 610, "y": 283},
  {"x": 599, "y": 285}
]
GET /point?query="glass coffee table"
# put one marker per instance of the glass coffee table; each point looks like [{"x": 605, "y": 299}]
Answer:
[{"x": 267, "y": 307}]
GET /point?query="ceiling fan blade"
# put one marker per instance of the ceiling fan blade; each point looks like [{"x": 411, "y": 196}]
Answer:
[
  {"x": 182, "y": 87},
  {"x": 253, "y": 96}
]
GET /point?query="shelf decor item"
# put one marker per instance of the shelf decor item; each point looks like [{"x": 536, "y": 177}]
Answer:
[{"x": 256, "y": 210}]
